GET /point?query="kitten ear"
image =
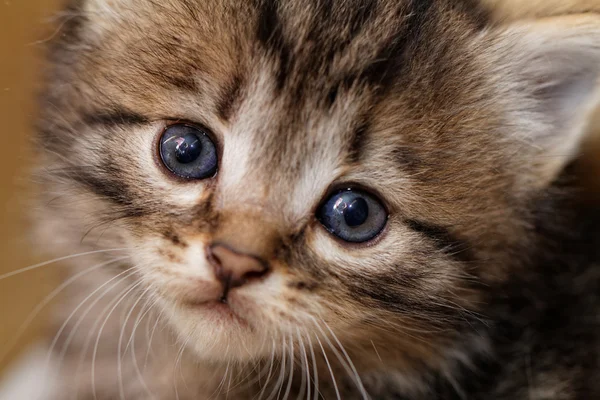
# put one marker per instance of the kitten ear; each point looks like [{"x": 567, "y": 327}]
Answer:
[{"x": 554, "y": 66}]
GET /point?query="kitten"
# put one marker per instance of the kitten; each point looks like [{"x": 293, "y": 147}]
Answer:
[{"x": 355, "y": 199}]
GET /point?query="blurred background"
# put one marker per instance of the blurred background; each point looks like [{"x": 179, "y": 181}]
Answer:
[{"x": 24, "y": 26}]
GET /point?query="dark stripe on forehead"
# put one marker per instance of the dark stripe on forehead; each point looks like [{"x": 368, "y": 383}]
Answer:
[
  {"x": 402, "y": 28},
  {"x": 358, "y": 140},
  {"x": 231, "y": 94},
  {"x": 363, "y": 14},
  {"x": 394, "y": 53},
  {"x": 270, "y": 35},
  {"x": 181, "y": 77},
  {"x": 268, "y": 22}
]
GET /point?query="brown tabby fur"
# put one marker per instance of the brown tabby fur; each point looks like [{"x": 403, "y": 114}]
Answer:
[{"x": 483, "y": 284}]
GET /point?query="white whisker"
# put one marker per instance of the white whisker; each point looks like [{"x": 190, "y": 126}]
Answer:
[
  {"x": 277, "y": 388},
  {"x": 177, "y": 367},
  {"x": 149, "y": 350},
  {"x": 358, "y": 381},
  {"x": 219, "y": 388},
  {"x": 291, "y": 376},
  {"x": 34, "y": 313},
  {"x": 337, "y": 392},
  {"x": 129, "y": 272},
  {"x": 262, "y": 391},
  {"x": 98, "y": 320},
  {"x": 72, "y": 314},
  {"x": 45, "y": 263},
  {"x": 228, "y": 385},
  {"x": 120, "y": 344},
  {"x": 315, "y": 368},
  {"x": 132, "y": 287},
  {"x": 376, "y": 352},
  {"x": 305, "y": 383},
  {"x": 133, "y": 355}
]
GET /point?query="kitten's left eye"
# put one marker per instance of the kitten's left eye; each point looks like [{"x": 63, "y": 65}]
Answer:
[
  {"x": 188, "y": 152},
  {"x": 353, "y": 215}
]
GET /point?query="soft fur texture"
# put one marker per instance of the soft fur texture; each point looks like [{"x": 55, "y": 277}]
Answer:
[{"x": 484, "y": 284}]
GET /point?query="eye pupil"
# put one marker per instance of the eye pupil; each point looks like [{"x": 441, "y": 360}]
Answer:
[
  {"x": 356, "y": 212},
  {"x": 188, "y": 148},
  {"x": 188, "y": 152},
  {"x": 353, "y": 215}
]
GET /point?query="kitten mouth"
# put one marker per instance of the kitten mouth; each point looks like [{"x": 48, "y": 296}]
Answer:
[
  {"x": 227, "y": 286},
  {"x": 219, "y": 305},
  {"x": 214, "y": 296},
  {"x": 220, "y": 309}
]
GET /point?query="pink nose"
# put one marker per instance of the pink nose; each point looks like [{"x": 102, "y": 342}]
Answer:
[{"x": 233, "y": 268}]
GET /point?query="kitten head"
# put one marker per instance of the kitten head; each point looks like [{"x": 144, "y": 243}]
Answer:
[{"x": 289, "y": 172}]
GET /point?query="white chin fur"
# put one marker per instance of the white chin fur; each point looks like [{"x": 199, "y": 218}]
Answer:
[{"x": 26, "y": 379}]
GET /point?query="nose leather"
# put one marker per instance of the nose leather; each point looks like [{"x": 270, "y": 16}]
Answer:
[{"x": 233, "y": 268}]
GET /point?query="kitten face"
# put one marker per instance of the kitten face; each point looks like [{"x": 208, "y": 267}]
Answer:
[{"x": 395, "y": 99}]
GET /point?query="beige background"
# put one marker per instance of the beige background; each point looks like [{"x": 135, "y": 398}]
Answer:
[{"x": 23, "y": 22}]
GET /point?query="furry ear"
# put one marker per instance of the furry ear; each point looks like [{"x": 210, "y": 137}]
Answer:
[{"x": 553, "y": 67}]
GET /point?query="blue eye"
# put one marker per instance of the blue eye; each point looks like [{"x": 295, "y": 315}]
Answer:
[
  {"x": 353, "y": 215},
  {"x": 188, "y": 152}
]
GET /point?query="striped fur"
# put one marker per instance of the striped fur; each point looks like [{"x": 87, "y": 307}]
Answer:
[{"x": 482, "y": 285}]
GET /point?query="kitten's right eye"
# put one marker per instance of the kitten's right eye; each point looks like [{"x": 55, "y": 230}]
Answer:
[
  {"x": 353, "y": 215},
  {"x": 188, "y": 152}
]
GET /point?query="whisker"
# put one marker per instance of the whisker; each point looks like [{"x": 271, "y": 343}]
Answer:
[
  {"x": 262, "y": 391},
  {"x": 376, "y": 352},
  {"x": 277, "y": 388},
  {"x": 132, "y": 287},
  {"x": 178, "y": 367},
  {"x": 98, "y": 321},
  {"x": 138, "y": 320},
  {"x": 120, "y": 344},
  {"x": 315, "y": 369},
  {"x": 248, "y": 380},
  {"x": 72, "y": 314},
  {"x": 228, "y": 385},
  {"x": 149, "y": 350},
  {"x": 128, "y": 272},
  {"x": 45, "y": 263},
  {"x": 34, "y": 313},
  {"x": 219, "y": 388},
  {"x": 337, "y": 392},
  {"x": 305, "y": 383},
  {"x": 291, "y": 376},
  {"x": 54, "y": 34},
  {"x": 107, "y": 224},
  {"x": 359, "y": 383},
  {"x": 133, "y": 355}
]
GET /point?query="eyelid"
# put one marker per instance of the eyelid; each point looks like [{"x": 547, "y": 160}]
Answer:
[
  {"x": 215, "y": 138},
  {"x": 341, "y": 186},
  {"x": 327, "y": 223},
  {"x": 158, "y": 160}
]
